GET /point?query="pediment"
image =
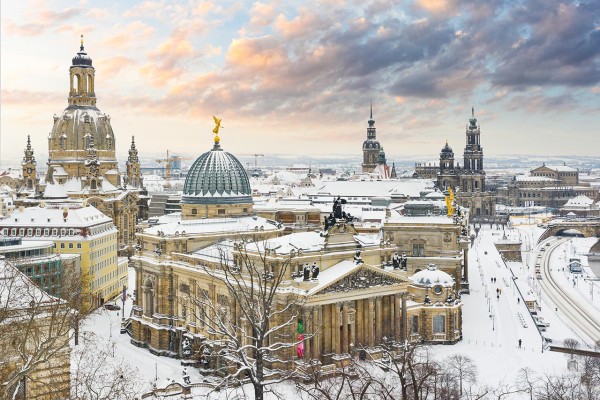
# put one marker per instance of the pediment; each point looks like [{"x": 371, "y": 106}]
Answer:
[{"x": 361, "y": 278}]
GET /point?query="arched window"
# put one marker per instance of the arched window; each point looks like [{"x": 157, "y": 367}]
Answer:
[
  {"x": 93, "y": 184},
  {"x": 90, "y": 84}
]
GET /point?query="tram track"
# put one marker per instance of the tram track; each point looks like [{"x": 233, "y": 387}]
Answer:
[{"x": 569, "y": 307}]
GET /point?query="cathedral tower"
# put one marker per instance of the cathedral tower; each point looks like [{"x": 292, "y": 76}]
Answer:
[
  {"x": 473, "y": 156},
  {"x": 472, "y": 178},
  {"x": 370, "y": 147}
]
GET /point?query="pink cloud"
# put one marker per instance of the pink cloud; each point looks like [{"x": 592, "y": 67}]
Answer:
[
  {"x": 42, "y": 19},
  {"x": 165, "y": 62},
  {"x": 261, "y": 15},
  {"x": 256, "y": 53},
  {"x": 132, "y": 33}
]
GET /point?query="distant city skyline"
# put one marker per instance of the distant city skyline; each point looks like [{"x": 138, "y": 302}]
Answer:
[{"x": 291, "y": 78}]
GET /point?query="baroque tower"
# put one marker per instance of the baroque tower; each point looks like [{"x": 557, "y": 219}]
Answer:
[
  {"x": 370, "y": 147},
  {"x": 80, "y": 122},
  {"x": 29, "y": 169},
  {"x": 473, "y": 176},
  {"x": 134, "y": 176}
]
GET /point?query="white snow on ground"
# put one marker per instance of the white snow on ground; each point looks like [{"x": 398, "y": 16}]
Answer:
[{"x": 492, "y": 325}]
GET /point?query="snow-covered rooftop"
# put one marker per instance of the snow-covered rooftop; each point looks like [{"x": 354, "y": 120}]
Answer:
[
  {"x": 55, "y": 217},
  {"x": 406, "y": 187},
  {"x": 431, "y": 277},
  {"x": 212, "y": 225}
]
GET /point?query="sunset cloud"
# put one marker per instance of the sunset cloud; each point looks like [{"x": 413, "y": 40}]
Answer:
[{"x": 286, "y": 66}]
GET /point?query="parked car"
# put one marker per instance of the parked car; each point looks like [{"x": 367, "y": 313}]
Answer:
[{"x": 111, "y": 306}]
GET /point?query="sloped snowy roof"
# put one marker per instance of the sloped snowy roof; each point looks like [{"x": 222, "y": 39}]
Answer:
[
  {"x": 305, "y": 241},
  {"x": 17, "y": 291},
  {"x": 523, "y": 178},
  {"x": 579, "y": 201},
  {"x": 431, "y": 277},
  {"x": 50, "y": 217},
  {"x": 561, "y": 168}
]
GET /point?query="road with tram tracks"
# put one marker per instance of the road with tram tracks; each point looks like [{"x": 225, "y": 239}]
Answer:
[{"x": 583, "y": 315}]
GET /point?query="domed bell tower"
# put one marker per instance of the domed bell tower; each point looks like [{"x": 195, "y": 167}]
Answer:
[
  {"x": 81, "y": 75},
  {"x": 70, "y": 136}
]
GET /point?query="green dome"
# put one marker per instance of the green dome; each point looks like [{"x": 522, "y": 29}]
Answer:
[{"x": 217, "y": 177}]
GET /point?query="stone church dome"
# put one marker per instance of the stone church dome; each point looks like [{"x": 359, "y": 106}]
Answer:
[
  {"x": 432, "y": 277},
  {"x": 217, "y": 177},
  {"x": 82, "y": 59},
  {"x": 447, "y": 149}
]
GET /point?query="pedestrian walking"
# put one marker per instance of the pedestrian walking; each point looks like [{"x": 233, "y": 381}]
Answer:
[
  {"x": 520, "y": 341},
  {"x": 518, "y": 300}
]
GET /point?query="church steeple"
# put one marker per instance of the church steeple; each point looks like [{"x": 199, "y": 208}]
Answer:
[
  {"x": 29, "y": 168},
  {"x": 371, "y": 146},
  {"x": 28, "y": 153},
  {"x": 134, "y": 176},
  {"x": 81, "y": 76}
]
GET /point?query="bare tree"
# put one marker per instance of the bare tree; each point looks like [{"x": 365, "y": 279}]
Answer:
[
  {"x": 255, "y": 322},
  {"x": 463, "y": 368},
  {"x": 354, "y": 381},
  {"x": 98, "y": 375}
]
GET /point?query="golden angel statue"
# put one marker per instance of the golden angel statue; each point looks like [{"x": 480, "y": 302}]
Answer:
[
  {"x": 450, "y": 202},
  {"x": 217, "y": 127}
]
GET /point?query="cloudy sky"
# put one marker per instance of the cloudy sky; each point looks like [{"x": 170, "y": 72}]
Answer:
[{"x": 297, "y": 77}]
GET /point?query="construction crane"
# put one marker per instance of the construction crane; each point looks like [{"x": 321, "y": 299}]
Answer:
[
  {"x": 256, "y": 159},
  {"x": 168, "y": 162}
]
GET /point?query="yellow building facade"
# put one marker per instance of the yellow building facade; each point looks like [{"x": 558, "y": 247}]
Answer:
[{"x": 75, "y": 229}]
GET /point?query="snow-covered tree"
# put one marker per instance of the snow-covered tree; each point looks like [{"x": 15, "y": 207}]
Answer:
[
  {"x": 34, "y": 338},
  {"x": 255, "y": 323}
]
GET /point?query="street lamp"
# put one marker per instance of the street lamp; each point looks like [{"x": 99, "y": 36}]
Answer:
[{"x": 591, "y": 281}]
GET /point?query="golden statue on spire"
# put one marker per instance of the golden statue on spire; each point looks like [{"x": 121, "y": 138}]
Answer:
[
  {"x": 216, "y": 130},
  {"x": 450, "y": 201}
]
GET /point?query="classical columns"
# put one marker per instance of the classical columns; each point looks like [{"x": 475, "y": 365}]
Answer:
[
  {"x": 378, "y": 319},
  {"x": 336, "y": 328},
  {"x": 317, "y": 331},
  {"x": 327, "y": 326},
  {"x": 359, "y": 323},
  {"x": 307, "y": 314},
  {"x": 345, "y": 327},
  {"x": 466, "y": 263},
  {"x": 371, "y": 322}
]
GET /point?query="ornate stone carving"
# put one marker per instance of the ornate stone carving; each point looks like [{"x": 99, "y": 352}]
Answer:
[{"x": 362, "y": 279}]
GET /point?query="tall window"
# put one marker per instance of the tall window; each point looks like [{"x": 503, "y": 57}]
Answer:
[
  {"x": 414, "y": 325},
  {"x": 439, "y": 324},
  {"x": 418, "y": 250}
]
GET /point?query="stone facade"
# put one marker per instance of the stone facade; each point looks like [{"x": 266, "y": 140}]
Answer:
[
  {"x": 363, "y": 305},
  {"x": 468, "y": 181},
  {"x": 546, "y": 186}
]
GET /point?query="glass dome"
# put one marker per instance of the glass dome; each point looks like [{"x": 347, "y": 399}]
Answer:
[{"x": 217, "y": 177}]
